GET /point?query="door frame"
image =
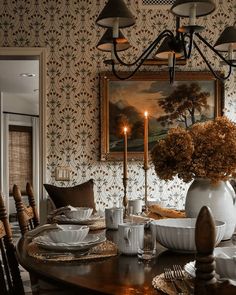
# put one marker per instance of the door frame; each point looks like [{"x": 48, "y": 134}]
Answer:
[{"x": 40, "y": 54}]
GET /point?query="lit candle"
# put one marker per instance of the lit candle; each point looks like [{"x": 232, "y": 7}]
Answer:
[
  {"x": 145, "y": 140},
  {"x": 125, "y": 153}
]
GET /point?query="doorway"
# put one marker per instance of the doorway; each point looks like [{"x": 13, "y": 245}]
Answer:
[{"x": 22, "y": 104}]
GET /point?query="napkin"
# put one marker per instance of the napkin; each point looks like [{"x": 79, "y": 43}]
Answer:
[
  {"x": 60, "y": 211},
  {"x": 190, "y": 268},
  {"x": 222, "y": 255},
  {"x": 40, "y": 229}
]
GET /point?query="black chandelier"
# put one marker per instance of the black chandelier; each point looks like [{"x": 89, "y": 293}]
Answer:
[{"x": 167, "y": 45}]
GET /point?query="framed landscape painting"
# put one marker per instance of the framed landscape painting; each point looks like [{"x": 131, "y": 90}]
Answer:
[{"x": 193, "y": 97}]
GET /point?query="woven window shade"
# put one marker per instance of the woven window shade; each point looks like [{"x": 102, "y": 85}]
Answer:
[{"x": 20, "y": 157}]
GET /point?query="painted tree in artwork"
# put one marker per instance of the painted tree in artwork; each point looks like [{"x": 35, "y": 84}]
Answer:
[{"x": 183, "y": 104}]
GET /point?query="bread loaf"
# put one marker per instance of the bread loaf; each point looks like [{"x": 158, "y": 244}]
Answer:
[
  {"x": 166, "y": 212},
  {"x": 154, "y": 215}
]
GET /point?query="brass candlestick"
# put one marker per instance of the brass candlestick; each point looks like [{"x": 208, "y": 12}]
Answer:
[
  {"x": 125, "y": 199},
  {"x": 145, "y": 168}
]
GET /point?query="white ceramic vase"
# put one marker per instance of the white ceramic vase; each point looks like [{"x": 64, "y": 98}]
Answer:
[{"x": 220, "y": 198}]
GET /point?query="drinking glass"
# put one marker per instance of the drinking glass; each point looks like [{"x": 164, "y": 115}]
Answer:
[
  {"x": 147, "y": 246},
  {"x": 233, "y": 239}
]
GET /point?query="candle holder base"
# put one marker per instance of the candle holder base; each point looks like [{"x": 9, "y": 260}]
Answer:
[
  {"x": 125, "y": 199},
  {"x": 145, "y": 168},
  {"x": 125, "y": 205}
]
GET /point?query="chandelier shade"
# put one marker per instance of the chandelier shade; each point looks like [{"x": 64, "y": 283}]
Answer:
[
  {"x": 115, "y": 10},
  {"x": 169, "y": 45},
  {"x": 183, "y": 7},
  {"x": 226, "y": 39},
  {"x": 106, "y": 42}
]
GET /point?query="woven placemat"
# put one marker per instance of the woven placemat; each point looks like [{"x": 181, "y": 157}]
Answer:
[
  {"x": 103, "y": 250},
  {"x": 161, "y": 284},
  {"x": 98, "y": 224}
]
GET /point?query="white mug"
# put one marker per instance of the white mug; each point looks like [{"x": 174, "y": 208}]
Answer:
[
  {"x": 135, "y": 206},
  {"x": 113, "y": 217},
  {"x": 130, "y": 236}
]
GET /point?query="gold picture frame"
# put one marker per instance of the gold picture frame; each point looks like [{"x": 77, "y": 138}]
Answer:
[{"x": 126, "y": 100}]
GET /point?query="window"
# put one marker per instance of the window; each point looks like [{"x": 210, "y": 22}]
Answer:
[{"x": 20, "y": 156}]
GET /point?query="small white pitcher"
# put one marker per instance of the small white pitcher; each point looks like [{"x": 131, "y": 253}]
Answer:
[
  {"x": 113, "y": 217},
  {"x": 130, "y": 235}
]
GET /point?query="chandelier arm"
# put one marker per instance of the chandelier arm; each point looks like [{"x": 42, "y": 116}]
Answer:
[
  {"x": 190, "y": 45},
  {"x": 183, "y": 45},
  {"x": 214, "y": 50},
  {"x": 115, "y": 73},
  {"x": 177, "y": 25},
  {"x": 146, "y": 52},
  {"x": 210, "y": 67}
]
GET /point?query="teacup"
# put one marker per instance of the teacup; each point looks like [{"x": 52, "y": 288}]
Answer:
[
  {"x": 113, "y": 217},
  {"x": 130, "y": 235},
  {"x": 135, "y": 206}
]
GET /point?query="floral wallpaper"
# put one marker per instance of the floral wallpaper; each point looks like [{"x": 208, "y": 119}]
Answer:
[{"x": 67, "y": 29}]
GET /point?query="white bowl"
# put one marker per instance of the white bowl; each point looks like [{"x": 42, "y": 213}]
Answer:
[
  {"x": 69, "y": 234},
  {"x": 81, "y": 213},
  {"x": 225, "y": 258},
  {"x": 178, "y": 234}
]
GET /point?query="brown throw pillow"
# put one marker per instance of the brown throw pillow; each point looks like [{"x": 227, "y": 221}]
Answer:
[{"x": 77, "y": 196}]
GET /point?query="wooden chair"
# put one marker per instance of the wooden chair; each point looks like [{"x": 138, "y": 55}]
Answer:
[
  {"x": 27, "y": 215},
  {"x": 32, "y": 204},
  {"x": 10, "y": 279},
  {"x": 28, "y": 219},
  {"x": 205, "y": 282}
]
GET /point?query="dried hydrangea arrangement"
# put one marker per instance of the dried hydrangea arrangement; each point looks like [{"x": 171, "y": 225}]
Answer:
[{"x": 206, "y": 150}]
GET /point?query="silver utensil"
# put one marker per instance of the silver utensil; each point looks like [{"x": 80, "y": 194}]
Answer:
[
  {"x": 53, "y": 255},
  {"x": 168, "y": 275},
  {"x": 179, "y": 275}
]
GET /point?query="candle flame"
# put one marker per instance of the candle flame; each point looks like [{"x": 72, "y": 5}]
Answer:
[
  {"x": 125, "y": 129},
  {"x": 146, "y": 114}
]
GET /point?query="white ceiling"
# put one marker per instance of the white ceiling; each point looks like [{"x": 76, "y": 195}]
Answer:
[{"x": 20, "y": 94}]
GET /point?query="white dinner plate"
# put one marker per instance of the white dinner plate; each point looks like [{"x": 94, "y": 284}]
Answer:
[
  {"x": 90, "y": 241},
  {"x": 65, "y": 219},
  {"x": 190, "y": 269}
]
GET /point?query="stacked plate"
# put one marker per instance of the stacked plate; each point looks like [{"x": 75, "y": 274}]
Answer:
[
  {"x": 88, "y": 242},
  {"x": 67, "y": 220}
]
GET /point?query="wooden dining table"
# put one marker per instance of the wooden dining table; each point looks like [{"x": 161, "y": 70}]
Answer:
[{"x": 120, "y": 274}]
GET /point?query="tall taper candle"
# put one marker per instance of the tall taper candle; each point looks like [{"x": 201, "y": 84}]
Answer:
[
  {"x": 146, "y": 140},
  {"x": 125, "y": 154}
]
